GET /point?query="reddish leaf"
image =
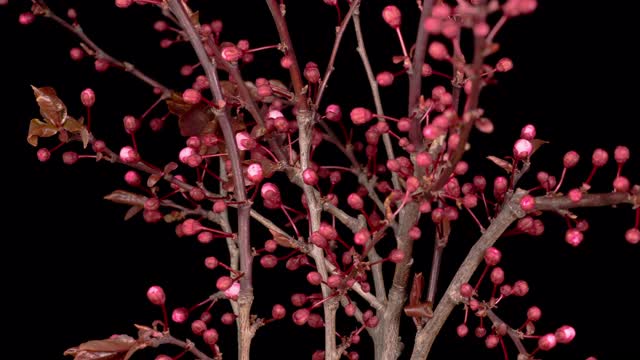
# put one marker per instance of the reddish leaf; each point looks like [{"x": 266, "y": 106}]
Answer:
[
  {"x": 484, "y": 125},
  {"x": 282, "y": 240},
  {"x": 38, "y": 129},
  {"x": 52, "y": 108},
  {"x": 197, "y": 120},
  {"x": 421, "y": 310},
  {"x": 84, "y": 134},
  {"x": 536, "y": 144},
  {"x": 170, "y": 167},
  {"x": 127, "y": 198},
  {"x": 530, "y": 328},
  {"x": 176, "y": 104},
  {"x": 229, "y": 89},
  {"x": 398, "y": 59},
  {"x": 153, "y": 179},
  {"x": 132, "y": 212},
  {"x": 119, "y": 347},
  {"x": 73, "y": 125},
  {"x": 417, "y": 287},
  {"x": 502, "y": 163},
  {"x": 119, "y": 343}
]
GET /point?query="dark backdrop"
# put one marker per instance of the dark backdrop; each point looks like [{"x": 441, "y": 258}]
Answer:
[{"x": 73, "y": 270}]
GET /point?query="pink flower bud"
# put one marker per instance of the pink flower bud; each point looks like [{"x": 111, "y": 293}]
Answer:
[
  {"x": 129, "y": 155},
  {"x": 26, "y": 18},
  {"x": 198, "y": 327},
  {"x": 492, "y": 256},
  {"x": 528, "y": 203},
  {"x": 573, "y": 237},
  {"x": 191, "y": 96},
  {"x": 534, "y": 313},
  {"x": 522, "y": 149},
  {"x": 301, "y": 316},
  {"x": 396, "y": 256},
  {"x": 599, "y": 158},
  {"x": 384, "y": 78},
  {"x": 361, "y": 116},
  {"x": 314, "y": 278},
  {"x": 362, "y": 237},
  {"x": 466, "y": 290},
  {"x": 180, "y": 315},
  {"x": 76, "y": 54},
  {"x": 210, "y": 336},
  {"x": 69, "y": 157},
  {"x": 132, "y": 178},
  {"x": 310, "y": 177},
  {"x": 245, "y": 141},
  {"x": 43, "y": 154},
  {"x": 528, "y": 132},
  {"x": 547, "y": 342},
  {"x": 224, "y": 283},
  {"x": 87, "y": 97},
  {"x": 621, "y": 184},
  {"x": 392, "y": 16},
  {"x": 101, "y": 65},
  {"x": 491, "y": 341},
  {"x": 124, "y": 3},
  {"x": 497, "y": 275},
  {"x": 520, "y": 288},
  {"x": 131, "y": 124},
  {"x": 632, "y": 236},
  {"x": 156, "y": 295},
  {"x": 462, "y": 330},
  {"x": 333, "y": 113},
  {"x": 311, "y": 72},
  {"x": 268, "y": 261},
  {"x": 565, "y": 334},
  {"x": 231, "y": 53},
  {"x": 278, "y": 312},
  {"x": 355, "y": 201},
  {"x": 255, "y": 173},
  {"x": 621, "y": 154},
  {"x": 185, "y": 153},
  {"x": 286, "y": 61},
  {"x": 438, "y": 51},
  {"x": 504, "y": 65}
]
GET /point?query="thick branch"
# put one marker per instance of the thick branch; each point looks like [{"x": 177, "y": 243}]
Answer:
[
  {"x": 245, "y": 298},
  {"x": 426, "y": 336},
  {"x": 232, "y": 149}
]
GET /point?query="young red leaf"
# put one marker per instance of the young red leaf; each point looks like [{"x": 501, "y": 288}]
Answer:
[{"x": 502, "y": 163}]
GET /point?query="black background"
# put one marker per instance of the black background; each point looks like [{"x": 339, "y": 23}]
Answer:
[{"x": 73, "y": 270}]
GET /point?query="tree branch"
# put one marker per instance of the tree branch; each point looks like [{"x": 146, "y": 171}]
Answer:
[
  {"x": 294, "y": 70},
  {"x": 415, "y": 78},
  {"x": 340, "y": 31},
  {"x": 101, "y": 54},
  {"x": 426, "y": 336},
  {"x": 373, "y": 85},
  {"x": 245, "y": 298}
]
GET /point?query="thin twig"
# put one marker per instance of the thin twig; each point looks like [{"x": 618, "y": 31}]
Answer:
[
  {"x": 373, "y": 85},
  {"x": 340, "y": 31},
  {"x": 101, "y": 54}
]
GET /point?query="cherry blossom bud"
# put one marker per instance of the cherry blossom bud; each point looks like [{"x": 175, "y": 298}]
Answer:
[
  {"x": 392, "y": 16},
  {"x": 87, "y": 97},
  {"x": 522, "y": 149},
  {"x": 361, "y": 116},
  {"x": 156, "y": 295}
]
